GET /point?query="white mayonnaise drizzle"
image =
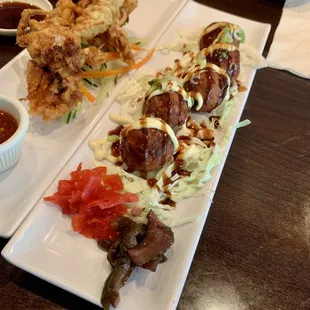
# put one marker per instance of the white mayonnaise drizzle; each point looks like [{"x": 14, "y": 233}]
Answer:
[
  {"x": 156, "y": 123},
  {"x": 121, "y": 120},
  {"x": 101, "y": 151},
  {"x": 169, "y": 85}
]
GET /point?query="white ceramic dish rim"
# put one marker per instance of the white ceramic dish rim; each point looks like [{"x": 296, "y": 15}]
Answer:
[
  {"x": 22, "y": 126},
  {"x": 37, "y": 3}
]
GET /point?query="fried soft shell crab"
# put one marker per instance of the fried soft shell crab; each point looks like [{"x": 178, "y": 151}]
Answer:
[{"x": 54, "y": 73}]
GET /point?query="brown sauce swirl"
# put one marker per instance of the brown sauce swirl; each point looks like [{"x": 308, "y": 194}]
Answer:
[{"x": 200, "y": 131}]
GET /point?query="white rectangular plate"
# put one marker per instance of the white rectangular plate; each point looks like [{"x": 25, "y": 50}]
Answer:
[
  {"x": 46, "y": 246},
  {"x": 47, "y": 148}
]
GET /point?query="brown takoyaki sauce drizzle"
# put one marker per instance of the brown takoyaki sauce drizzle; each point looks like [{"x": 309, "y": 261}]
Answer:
[
  {"x": 116, "y": 131},
  {"x": 211, "y": 118},
  {"x": 166, "y": 180},
  {"x": 143, "y": 122},
  {"x": 160, "y": 74},
  {"x": 178, "y": 63},
  {"x": 209, "y": 38},
  {"x": 178, "y": 168},
  {"x": 216, "y": 121},
  {"x": 179, "y": 71},
  {"x": 168, "y": 202},
  {"x": 184, "y": 138},
  {"x": 183, "y": 141},
  {"x": 241, "y": 88},
  {"x": 115, "y": 151},
  {"x": 201, "y": 132},
  {"x": 207, "y": 133},
  {"x": 191, "y": 124},
  {"x": 151, "y": 182}
]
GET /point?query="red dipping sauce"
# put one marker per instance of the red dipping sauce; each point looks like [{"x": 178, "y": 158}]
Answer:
[
  {"x": 8, "y": 126},
  {"x": 10, "y": 13}
]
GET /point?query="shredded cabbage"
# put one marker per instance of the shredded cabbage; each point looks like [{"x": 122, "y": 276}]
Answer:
[
  {"x": 198, "y": 159},
  {"x": 187, "y": 42},
  {"x": 250, "y": 57},
  {"x": 131, "y": 96},
  {"x": 224, "y": 110}
]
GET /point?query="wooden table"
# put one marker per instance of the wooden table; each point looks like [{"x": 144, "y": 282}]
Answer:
[{"x": 255, "y": 247}]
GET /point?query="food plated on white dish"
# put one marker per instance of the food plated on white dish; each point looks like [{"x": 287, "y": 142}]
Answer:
[
  {"x": 47, "y": 147},
  {"x": 56, "y": 254}
]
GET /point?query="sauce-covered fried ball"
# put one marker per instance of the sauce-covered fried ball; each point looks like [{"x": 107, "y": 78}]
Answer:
[
  {"x": 146, "y": 149},
  {"x": 215, "y": 32},
  {"x": 211, "y": 85},
  {"x": 226, "y": 56},
  {"x": 169, "y": 106}
]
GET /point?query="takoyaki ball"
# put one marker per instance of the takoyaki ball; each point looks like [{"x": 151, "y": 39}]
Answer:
[
  {"x": 214, "y": 34},
  {"x": 169, "y": 106},
  {"x": 226, "y": 56},
  {"x": 146, "y": 149},
  {"x": 211, "y": 85}
]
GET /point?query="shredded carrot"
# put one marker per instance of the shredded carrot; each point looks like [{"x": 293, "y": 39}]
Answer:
[
  {"x": 99, "y": 74},
  {"x": 89, "y": 96},
  {"x": 112, "y": 55},
  {"x": 137, "y": 48}
]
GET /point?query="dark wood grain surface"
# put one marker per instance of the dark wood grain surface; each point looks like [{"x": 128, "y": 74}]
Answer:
[{"x": 254, "y": 252}]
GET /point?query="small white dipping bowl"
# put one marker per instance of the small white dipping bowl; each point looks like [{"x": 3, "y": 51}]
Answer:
[
  {"x": 42, "y": 4},
  {"x": 10, "y": 150}
]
